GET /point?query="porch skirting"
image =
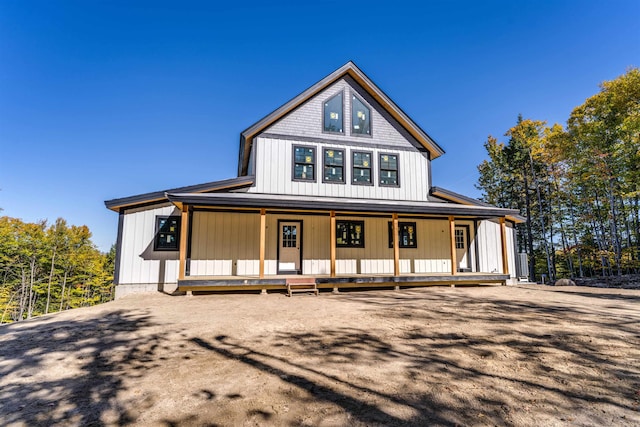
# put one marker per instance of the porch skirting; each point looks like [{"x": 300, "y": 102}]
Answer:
[{"x": 235, "y": 283}]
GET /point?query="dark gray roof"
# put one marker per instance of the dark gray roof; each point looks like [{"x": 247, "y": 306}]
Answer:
[
  {"x": 160, "y": 196},
  {"x": 459, "y": 198},
  {"x": 246, "y": 137},
  {"x": 274, "y": 201}
]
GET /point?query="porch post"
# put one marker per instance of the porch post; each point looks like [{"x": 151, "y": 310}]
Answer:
[
  {"x": 503, "y": 239},
  {"x": 396, "y": 247},
  {"x": 263, "y": 235},
  {"x": 332, "y": 234},
  {"x": 452, "y": 238},
  {"x": 184, "y": 235}
]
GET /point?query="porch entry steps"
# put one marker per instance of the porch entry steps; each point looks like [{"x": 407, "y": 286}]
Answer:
[{"x": 303, "y": 284}]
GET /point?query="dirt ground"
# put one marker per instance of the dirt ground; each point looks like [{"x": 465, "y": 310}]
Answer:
[{"x": 520, "y": 356}]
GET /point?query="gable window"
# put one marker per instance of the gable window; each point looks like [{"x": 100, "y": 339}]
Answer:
[
  {"x": 360, "y": 117},
  {"x": 167, "y": 233},
  {"x": 304, "y": 163},
  {"x": 389, "y": 170},
  {"x": 406, "y": 235},
  {"x": 350, "y": 234},
  {"x": 361, "y": 171},
  {"x": 333, "y": 165},
  {"x": 333, "y": 118}
]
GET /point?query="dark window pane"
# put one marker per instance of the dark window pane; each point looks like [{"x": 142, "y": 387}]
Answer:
[
  {"x": 167, "y": 233},
  {"x": 361, "y": 175},
  {"x": 360, "y": 117},
  {"x": 350, "y": 234},
  {"x": 333, "y": 119}
]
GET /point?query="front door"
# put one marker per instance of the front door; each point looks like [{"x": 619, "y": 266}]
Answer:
[
  {"x": 289, "y": 253},
  {"x": 462, "y": 248}
]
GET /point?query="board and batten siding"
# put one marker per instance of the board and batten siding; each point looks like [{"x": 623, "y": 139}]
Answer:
[
  {"x": 490, "y": 247},
  {"x": 227, "y": 244},
  {"x": 139, "y": 264},
  {"x": 274, "y": 170}
]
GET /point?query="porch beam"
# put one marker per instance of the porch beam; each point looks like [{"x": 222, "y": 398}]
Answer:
[
  {"x": 263, "y": 238},
  {"x": 332, "y": 236},
  {"x": 503, "y": 240},
  {"x": 452, "y": 239},
  {"x": 184, "y": 237},
  {"x": 396, "y": 247}
]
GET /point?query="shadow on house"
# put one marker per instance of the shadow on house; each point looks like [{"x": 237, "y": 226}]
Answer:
[{"x": 92, "y": 358}]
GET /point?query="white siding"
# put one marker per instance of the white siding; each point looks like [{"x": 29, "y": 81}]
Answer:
[
  {"x": 489, "y": 247},
  {"x": 139, "y": 263},
  {"x": 274, "y": 173}
]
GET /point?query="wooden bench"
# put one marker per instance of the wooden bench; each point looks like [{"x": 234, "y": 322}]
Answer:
[{"x": 303, "y": 284}]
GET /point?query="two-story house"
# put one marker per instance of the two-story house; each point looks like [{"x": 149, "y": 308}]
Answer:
[{"x": 334, "y": 185}]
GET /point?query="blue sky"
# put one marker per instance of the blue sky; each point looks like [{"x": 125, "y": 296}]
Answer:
[{"x": 107, "y": 99}]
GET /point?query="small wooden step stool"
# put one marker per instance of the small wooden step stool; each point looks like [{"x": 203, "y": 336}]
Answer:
[{"x": 302, "y": 284}]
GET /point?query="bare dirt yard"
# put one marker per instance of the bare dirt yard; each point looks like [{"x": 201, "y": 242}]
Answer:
[{"x": 523, "y": 356}]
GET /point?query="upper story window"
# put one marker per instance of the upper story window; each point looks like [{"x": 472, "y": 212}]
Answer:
[
  {"x": 167, "y": 233},
  {"x": 389, "y": 170},
  {"x": 361, "y": 171},
  {"x": 350, "y": 234},
  {"x": 333, "y": 118},
  {"x": 333, "y": 165},
  {"x": 360, "y": 117},
  {"x": 304, "y": 163}
]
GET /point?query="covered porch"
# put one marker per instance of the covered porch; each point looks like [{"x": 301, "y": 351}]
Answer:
[{"x": 239, "y": 241}]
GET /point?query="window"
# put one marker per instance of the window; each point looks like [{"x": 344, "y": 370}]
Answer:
[
  {"x": 304, "y": 163},
  {"x": 350, "y": 234},
  {"x": 289, "y": 236},
  {"x": 333, "y": 119},
  {"x": 360, "y": 117},
  {"x": 167, "y": 233},
  {"x": 459, "y": 239},
  {"x": 361, "y": 171},
  {"x": 389, "y": 170},
  {"x": 333, "y": 165},
  {"x": 406, "y": 235}
]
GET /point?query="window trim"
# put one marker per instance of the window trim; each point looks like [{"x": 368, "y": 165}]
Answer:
[
  {"x": 397, "y": 169},
  {"x": 156, "y": 236},
  {"x": 400, "y": 225},
  {"x": 293, "y": 163},
  {"x": 350, "y": 244},
  {"x": 366, "y": 104},
  {"x": 322, "y": 106},
  {"x": 344, "y": 166},
  {"x": 353, "y": 167}
]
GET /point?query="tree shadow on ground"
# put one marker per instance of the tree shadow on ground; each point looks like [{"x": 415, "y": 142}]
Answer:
[
  {"x": 579, "y": 367},
  {"x": 94, "y": 357}
]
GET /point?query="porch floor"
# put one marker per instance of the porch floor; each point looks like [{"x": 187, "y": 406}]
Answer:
[{"x": 230, "y": 283}]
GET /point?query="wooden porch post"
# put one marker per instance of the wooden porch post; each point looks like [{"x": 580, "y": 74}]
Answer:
[
  {"x": 452, "y": 237},
  {"x": 396, "y": 247},
  {"x": 184, "y": 234},
  {"x": 263, "y": 238},
  {"x": 332, "y": 234},
  {"x": 503, "y": 239}
]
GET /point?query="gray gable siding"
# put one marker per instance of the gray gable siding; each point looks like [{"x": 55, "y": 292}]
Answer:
[{"x": 306, "y": 120}]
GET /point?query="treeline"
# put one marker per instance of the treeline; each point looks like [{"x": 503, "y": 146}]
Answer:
[
  {"x": 577, "y": 185},
  {"x": 46, "y": 268}
]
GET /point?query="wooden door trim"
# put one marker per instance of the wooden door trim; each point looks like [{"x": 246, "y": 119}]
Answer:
[{"x": 278, "y": 237}]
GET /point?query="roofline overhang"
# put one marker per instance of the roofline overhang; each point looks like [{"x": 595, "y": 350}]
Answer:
[
  {"x": 246, "y": 137},
  {"x": 243, "y": 201},
  {"x": 160, "y": 196},
  {"x": 469, "y": 201}
]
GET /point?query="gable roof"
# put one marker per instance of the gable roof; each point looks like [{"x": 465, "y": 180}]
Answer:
[
  {"x": 449, "y": 195},
  {"x": 161, "y": 196},
  {"x": 350, "y": 69}
]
